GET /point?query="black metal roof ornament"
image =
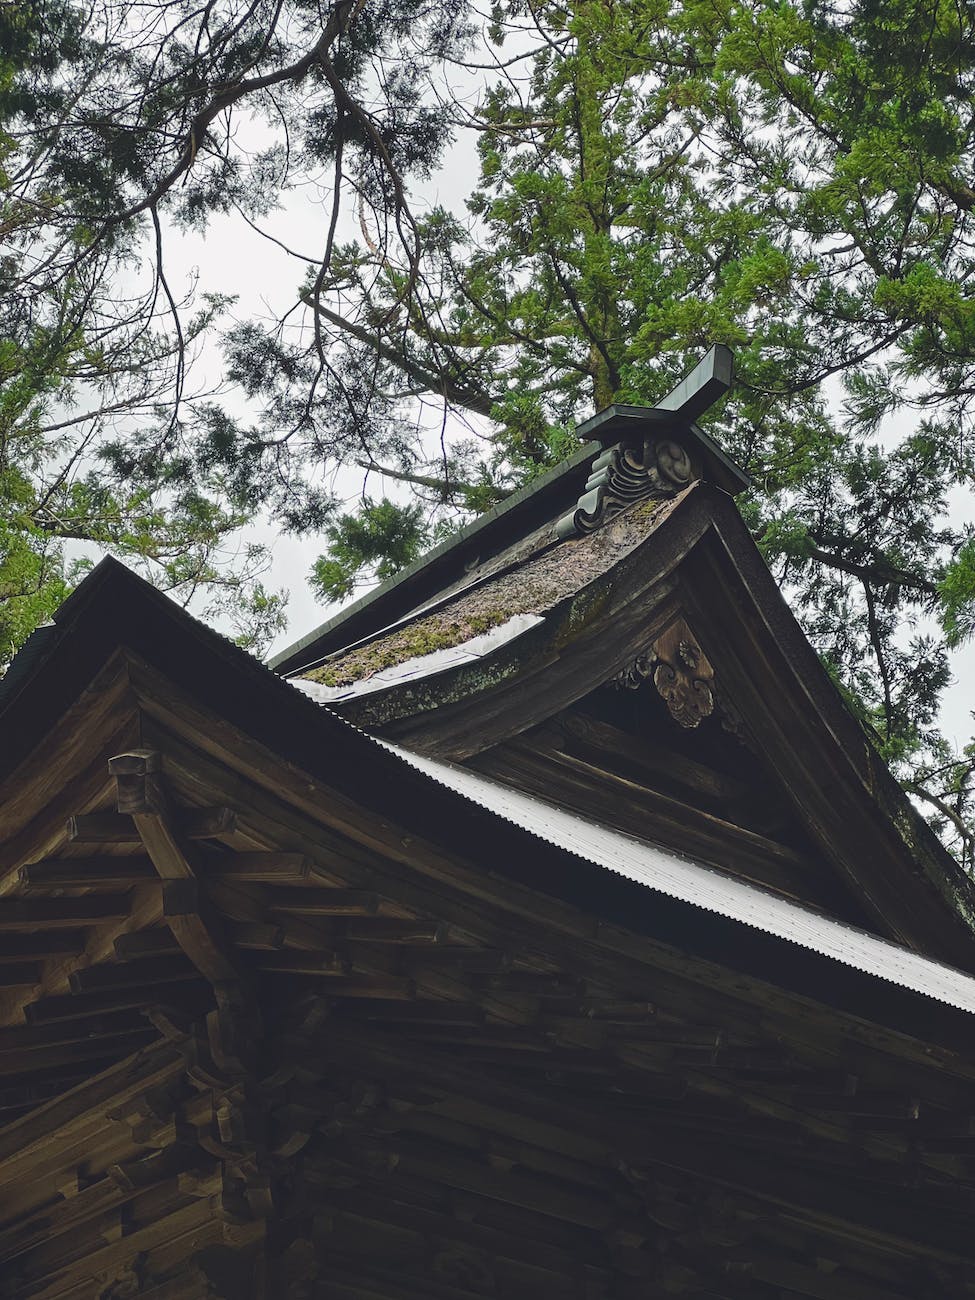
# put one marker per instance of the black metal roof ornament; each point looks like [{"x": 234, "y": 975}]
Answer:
[{"x": 657, "y": 450}]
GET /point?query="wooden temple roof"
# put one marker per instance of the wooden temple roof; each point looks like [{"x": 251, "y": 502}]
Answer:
[
  {"x": 542, "y": 992},
  {"x": 521, "y": 670}
]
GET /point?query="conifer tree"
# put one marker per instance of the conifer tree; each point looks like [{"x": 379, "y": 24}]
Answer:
[{"x": 793, "y": 180}]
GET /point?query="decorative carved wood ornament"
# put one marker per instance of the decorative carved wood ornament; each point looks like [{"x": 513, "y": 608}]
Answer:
[
  {"x": 623, "y": 474},
  {"x": 680, "y": 671}
]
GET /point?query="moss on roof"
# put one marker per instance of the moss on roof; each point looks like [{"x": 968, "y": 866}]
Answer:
[{"x": 530, "y": 588}]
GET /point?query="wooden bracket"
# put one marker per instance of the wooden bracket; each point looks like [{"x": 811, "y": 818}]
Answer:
[
  {"x": 680, "y": 671},
  {"x": 141, "y": 793}
]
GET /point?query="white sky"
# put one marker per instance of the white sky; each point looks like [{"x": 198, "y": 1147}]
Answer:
[{"x": 233, "y": 259}]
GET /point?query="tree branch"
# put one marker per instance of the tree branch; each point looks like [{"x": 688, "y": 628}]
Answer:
[
  {"x": 879, "y": 573},
  {"x": 439, "y": 485},
  {"x": 481, "y": 403}
]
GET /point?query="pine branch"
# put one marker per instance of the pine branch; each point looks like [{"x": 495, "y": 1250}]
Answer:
[
  {"x": 880, "y": 573},
  {"x": 480, "y": 403},
  {"x": 442, "y": 486}
]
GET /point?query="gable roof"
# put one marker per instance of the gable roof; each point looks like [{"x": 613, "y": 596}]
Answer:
[
  {"x": 588, "y": 608},
  {"x": 498, "y": 532},
  {"x": 360, "y": 928},
  {"x": 475, "y": 544},
  {"x": 113, "y": 611}
]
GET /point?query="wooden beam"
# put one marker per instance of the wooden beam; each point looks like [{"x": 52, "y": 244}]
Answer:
[
  {"x": 23, "y": 972},
  {"x": 414, "y": 1016},
  {"x": 632, "y": 807},
  {"x": 256, "y": 868},
  {"x": 258, "y": 935},
  {"x": 71, "y": 1006},
  {"x": 39, "y": 947},
  {"x": 75, "y": 873},
  {"x": 475, "y": 961},
  {"x": 198, "y": 931},
  {"x": 155, "y": 942},
  {"x": 386, "y": 988},
  {"x": 323, "y": 901},
  {"x": 304, "y": 963},
  {"x": 645, "y": 753},
  {"x": 148, "y": 971},
  {"x": 22, "y": 914},
  {"x": 119, "y": 828},
  {"x": 382, "y": 929},
  {"x": 142, "y": 796},
  {"x": 19, "y": 1041},
  {"x": 57, "y": 1124}
]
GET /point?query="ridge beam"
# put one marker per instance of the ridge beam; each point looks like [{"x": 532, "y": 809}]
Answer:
[{"x": 701, "y": 387}]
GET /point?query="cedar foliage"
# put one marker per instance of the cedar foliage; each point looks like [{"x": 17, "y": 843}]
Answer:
[
  {"x": 118, "y": 125},
  {"x": 790, "y": 178}
]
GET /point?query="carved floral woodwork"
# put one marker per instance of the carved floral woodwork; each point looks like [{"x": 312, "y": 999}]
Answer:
[
  {"x": 621, "y": 475},
  {"x": 680, "y": 672}
]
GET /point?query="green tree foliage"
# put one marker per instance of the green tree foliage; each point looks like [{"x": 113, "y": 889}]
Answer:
[
  {"x": 82, "y": 364},
  {"x": 118, "y": 123},
  {"x": 381, "y": 535},
  {"x": 791, "y": 179}
]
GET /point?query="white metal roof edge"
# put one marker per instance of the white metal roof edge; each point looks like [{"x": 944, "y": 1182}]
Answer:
[
  {"x": 420, "y": 666},
  {"x": 712, "y": 891}
]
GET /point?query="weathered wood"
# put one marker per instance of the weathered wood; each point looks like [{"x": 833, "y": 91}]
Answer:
[
  {"x": 561, "y": 1085},
  {"x": 57, "y": 1123},
  {"x": 325, "y": 902},
  {"x": 198, "y": 932},
  {"x": 475, "y": 961},
  {"x": 269, "y": 868},
  {"x": 73, "y": 873},
  {"x": 195, "y": 1218},
  {"x": 20, "y": 1043},
  {"x": 66, "y": 773},
  {"x": 261, "y": 936},
  {"x": 119, "y": 828},
  {"x": 144, "y": 906},
  {"x": 25, "y": 972},
  {"x": 413, "y": 1014},
  {"x": 646, "y": 754},
  {"x": 148, "y": 971},
  {"x": 41, "y": 946},
  {"x": 639, "y": 810},
  {"x": 70, "y": 1006},
  {"x": 22, "y": 914},
  {"x": 381, "y": 929},
  {"x": 494, "y": 911},
  {"x": 136, "y": 944},
  {"x": 304, "y": 963},
  {"x": 106, "y": 1194},
  {"x": 386, "y": 988}
]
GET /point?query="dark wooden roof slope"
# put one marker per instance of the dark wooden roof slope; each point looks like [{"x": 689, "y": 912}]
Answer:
[{"x": 281, "y": 1014}]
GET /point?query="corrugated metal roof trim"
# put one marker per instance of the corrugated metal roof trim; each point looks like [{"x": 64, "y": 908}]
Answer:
[{"x": 701, "y": 886}]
